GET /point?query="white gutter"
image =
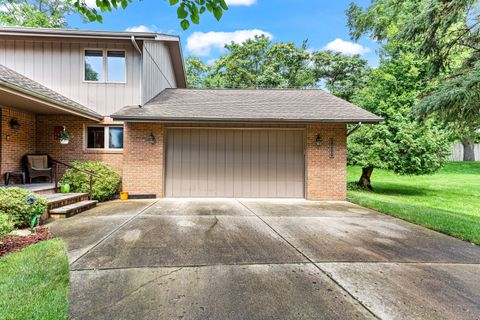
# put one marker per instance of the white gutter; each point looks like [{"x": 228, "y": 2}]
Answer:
[{"x": 135, "y": 44}]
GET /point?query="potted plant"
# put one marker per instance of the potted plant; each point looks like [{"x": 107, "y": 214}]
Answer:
[{"x": 64, "y": 136}]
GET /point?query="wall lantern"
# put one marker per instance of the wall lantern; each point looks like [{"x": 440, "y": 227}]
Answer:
[
  {"x": 318, "y": 140},
  {"x": 14, "y": 124},
  {"x": 151, "y": 138}
]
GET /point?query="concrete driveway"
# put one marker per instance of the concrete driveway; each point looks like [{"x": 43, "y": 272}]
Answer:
[{"x": 263, "y": 259}]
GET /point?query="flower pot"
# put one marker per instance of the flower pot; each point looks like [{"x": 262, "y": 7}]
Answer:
[
  {"x": 64, "y": 141},
  {"x": 65, "y": 188}
]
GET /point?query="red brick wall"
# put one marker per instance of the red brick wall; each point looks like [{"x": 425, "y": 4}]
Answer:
[
  {"x": 326, "y": 178},
  {"x": 143, "y": 171},
  {"x": 75, "y": 150},
  {"x": 143, "y": 161},
  {"x": 22, "y": 140}
]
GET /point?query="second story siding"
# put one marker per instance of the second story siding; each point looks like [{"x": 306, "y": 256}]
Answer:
[
  {"x": 158, "y": 71},
  {"x": 56, "y": 59}
]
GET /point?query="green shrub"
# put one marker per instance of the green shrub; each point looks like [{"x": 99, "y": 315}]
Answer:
[
  {"x": 6, "y": 225},
  {"x": 13, "y": 204},
  {"x": 104, "y": 186}
]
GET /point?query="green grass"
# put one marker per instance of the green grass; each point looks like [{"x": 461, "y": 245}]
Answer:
[
  {"x": 34, "y": 282},
  {"x": 448, "y": 201}
]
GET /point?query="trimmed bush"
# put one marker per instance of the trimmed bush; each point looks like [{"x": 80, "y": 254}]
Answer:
[
  {"x": 103, "y": 188},
  {"x": 6, "y": 225},
  {"x": 14, "y": 205}
]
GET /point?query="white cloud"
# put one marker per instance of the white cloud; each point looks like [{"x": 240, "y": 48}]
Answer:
[
  {"x": 346, "y": 47},
  {"x": 240, "y": 2},
  {"x": 202, "y": 43},
  {"x": 141, "y": 28}
]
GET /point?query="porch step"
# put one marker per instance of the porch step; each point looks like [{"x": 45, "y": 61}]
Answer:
[
  {"x": 72, "y": 209},
  {"x": 57, "y": 200}
]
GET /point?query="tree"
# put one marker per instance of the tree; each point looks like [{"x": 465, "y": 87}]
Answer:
[
  {"x": 457, "y": 99},
  {"x": 399, "y": 143},
  {"x": 187, "y": 10},
  {"x": 35, "y": 13},
  {"x": 259, "y": 63},
  {"x": 343, "y": 75},
  {"x": 446, "y": 34},
  {"x": 196, "y": 72}
]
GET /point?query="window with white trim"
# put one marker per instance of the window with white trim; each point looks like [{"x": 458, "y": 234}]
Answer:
[
  {"x": 104, "y": 66},
  {"x": 104, "y": 137}
]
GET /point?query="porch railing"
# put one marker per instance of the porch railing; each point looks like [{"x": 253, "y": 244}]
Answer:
[{"x": 57, "y": 164}]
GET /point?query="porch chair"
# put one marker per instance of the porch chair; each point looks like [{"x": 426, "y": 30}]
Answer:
[{"x": 38, "y": 166}]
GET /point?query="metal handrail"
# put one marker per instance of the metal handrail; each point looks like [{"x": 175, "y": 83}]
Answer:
[{"x": 90, "y": 174}]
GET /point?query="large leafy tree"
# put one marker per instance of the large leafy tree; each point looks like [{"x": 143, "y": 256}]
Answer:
[
  {"x": 188, "y": 11},
  {"x": 256, "y": 63},
  {"x": 446, "y": 35},
  {"x": 196, "y": 72},
  {"x": 35, "y": 13},
  {"x": 399, "y": 143},
  {"x": 342, "y": 75}
]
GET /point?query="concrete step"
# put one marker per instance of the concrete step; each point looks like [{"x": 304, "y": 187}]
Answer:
[
  {"x": 72, "y": 209},
  {"x": 57, "y": 200}
]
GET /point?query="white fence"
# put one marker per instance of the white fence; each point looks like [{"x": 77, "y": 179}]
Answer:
[{"x": 457, "y": 152}]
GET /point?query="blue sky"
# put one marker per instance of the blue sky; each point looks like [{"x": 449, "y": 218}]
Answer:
[{"x": 322, "y": 22}]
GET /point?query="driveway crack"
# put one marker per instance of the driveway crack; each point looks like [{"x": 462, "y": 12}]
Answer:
[
  {"x": 113, "y": 231},
  {"x": 310, "y": 261},
  {"x": 143, "y": 285}
]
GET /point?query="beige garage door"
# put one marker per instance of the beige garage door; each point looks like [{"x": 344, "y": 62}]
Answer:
[{"x": 235, "y": 163}]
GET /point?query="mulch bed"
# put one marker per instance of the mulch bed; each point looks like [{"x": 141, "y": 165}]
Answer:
[{"x": 16, "y": 243}]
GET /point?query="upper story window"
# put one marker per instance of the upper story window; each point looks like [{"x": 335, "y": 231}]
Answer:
[{"x": 105, "y": 66}]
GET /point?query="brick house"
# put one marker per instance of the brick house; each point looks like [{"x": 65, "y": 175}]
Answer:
[{"x": 123, "y": 97}]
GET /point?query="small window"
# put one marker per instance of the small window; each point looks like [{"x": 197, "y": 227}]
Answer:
[
  {"x": 115, "y": 138},
  {"x": 96, "y": 137},
  {"x": 116, "y": 66},
  {"x": 105, "y": 138},
  {"x": 93, "y": 65}
]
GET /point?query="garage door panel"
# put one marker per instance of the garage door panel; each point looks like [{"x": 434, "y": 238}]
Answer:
[{"x": 235, "y": 163}]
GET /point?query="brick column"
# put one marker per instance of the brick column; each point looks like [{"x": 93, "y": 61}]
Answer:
[
  {"x": 326, "y": 177},
  {"x": 143, "y": 162}
]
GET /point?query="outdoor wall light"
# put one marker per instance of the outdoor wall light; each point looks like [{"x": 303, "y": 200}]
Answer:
[
  {"x": 151, "y": 138},
  {"x": 318, "y": 140},
  {"x": 14, "y": 124}
]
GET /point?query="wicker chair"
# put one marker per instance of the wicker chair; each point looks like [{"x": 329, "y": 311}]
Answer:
[{"x": 38, "y": 165}]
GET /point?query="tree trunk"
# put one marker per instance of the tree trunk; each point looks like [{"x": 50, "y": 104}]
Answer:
[
  {"x": 468, "y": 149},
  {"x": 364, "y": 181}
]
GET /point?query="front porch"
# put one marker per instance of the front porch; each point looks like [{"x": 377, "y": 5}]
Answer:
[{"x": 39, "y": 188}]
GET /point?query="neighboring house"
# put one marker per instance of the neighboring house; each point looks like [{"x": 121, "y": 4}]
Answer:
[{"x": 123, "y": 97}]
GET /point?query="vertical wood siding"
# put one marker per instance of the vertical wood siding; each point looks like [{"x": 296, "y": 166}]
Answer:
[
  {"x": 235, "y": 163},
  {"x": 59, "y": 66},
  {"x": 158, "y": 72}
]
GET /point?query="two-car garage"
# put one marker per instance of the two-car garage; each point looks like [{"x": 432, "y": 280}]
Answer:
[
  {"x": 266, "y": 143},
  {"x": 235, "y": 162}
]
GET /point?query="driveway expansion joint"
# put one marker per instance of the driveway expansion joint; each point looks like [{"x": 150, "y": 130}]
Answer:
[
  {"x": 312, "y": 262},
  {"x": 130, "y": 219}
]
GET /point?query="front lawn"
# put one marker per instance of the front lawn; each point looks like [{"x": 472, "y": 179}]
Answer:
[
  {"x": 34, "y": 282},
  {"x": 448, "y": 201}
]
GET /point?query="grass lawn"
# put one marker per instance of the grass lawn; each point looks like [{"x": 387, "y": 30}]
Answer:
[
  {"x": 448, "y": 201},
  {"x": 34, "y": 282}
]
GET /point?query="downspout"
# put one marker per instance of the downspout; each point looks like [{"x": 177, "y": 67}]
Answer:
[
  {"x": 354, "y": 129},
  {"x": 135, "y": 44}
]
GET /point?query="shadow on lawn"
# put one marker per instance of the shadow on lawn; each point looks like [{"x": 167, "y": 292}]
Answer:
[
  {"x": 391, "y": 189},
  {"x": 461, "y": 226}
]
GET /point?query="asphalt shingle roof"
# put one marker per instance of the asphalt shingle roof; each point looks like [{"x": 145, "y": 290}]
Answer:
[
  {"x": 247, "y": 105},
  {"x": 19, "y": 82}
]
